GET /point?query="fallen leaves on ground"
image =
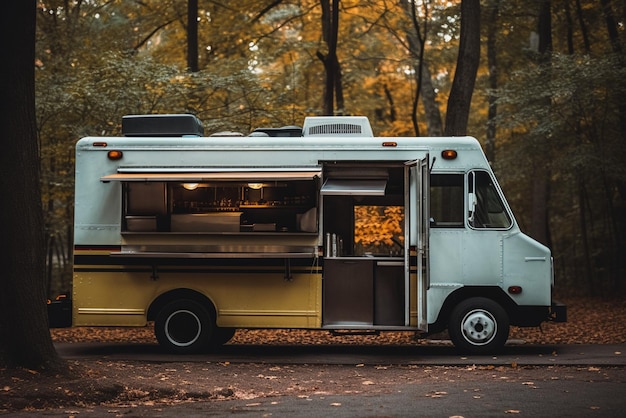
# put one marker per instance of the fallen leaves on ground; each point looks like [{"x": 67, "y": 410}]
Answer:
[
  {"x": 590, "y": 321},
  {"x": 93, "y": 382}
]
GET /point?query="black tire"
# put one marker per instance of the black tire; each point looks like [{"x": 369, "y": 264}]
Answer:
[
  {"x": 478, "y": 326},
  {"x": 221, "y": 336},
  {"x": 184, "y": 327}
]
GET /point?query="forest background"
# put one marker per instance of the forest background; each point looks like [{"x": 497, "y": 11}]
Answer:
[{"x": 547, "y": 105}]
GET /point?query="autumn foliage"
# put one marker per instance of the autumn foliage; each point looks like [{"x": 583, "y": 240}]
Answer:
[
  {"x": 547, "y": 101},
  {"x": 378, "y": 229}
]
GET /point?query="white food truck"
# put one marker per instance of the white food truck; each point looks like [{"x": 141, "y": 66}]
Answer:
[{"x": 324, "y": 227}]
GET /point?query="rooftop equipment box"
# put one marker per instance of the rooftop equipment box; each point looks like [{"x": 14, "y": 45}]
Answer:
[{"x": 162, "y": 125}]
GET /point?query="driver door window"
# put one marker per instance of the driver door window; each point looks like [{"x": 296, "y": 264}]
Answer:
[{"x": 486, "y": 208}]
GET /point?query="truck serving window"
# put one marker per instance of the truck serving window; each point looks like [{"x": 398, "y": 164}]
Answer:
[
  {"x": 446, "y": 200},
  {"x": 486, "y": 208},
  {"x": 219, "y": 202}
]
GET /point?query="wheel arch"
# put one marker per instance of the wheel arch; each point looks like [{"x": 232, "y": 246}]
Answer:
[
  {"x": 178, "y": 294},
  {"x": 490, "y": 292}
]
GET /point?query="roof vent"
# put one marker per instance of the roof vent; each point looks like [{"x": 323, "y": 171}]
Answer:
[
  {"x": 287, "y": 131},
  {"x": 162, "y": 125},
  {"x": 337, "y": 126},
  {"x": 227, "y": 133}
]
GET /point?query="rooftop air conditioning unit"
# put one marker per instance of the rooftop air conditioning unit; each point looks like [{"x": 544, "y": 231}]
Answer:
[{"x": 337, "y": 126}]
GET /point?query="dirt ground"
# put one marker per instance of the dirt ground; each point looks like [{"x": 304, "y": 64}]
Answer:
[{"x": 119, "y": 384}]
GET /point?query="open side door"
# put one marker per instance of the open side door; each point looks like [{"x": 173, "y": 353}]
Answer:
[{"x": 416, "y": 236}]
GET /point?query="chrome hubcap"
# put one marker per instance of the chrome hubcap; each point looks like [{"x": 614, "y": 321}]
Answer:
[
  {"x": 479, "y": 327},
  {"x": 183, "y": 328}
]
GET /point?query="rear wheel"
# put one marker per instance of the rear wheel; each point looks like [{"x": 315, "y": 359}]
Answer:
[
  {"x": 221, "y": 336},
  {"x": 184, "y": 327},
  {"x": 479, "y": 326}
]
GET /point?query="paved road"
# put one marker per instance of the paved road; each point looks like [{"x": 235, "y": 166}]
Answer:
[
  {"x": 549, "y": 399},
  {"x": 592, "y": 383},
  {"x": 435, "y": 354}
]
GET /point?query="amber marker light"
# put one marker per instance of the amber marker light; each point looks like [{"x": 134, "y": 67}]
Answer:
[
  {"x": 390, "y": 144},
  {"x": 448, "y": 154},
  {"x": 99, "y": 144},
  {"x": 115, "y": 155}
]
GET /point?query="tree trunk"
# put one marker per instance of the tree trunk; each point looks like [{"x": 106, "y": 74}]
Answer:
[
  {"x": 431, "y": 105},
  {"x": 392, "y": 106},
  {"x": 616, "y": 47},
  {"x": 460, "y": 97},
  {"x": 611, "y": 26},
  {"x": 192, "y": 36},
  {"x": 569, "y": 28},
  {"x": 24, "y": 334},
  {"x": 584, "y": 227},
  {"x": 416, "y": 45},
  {"x": 330, "y": 31},
  {"x": 341, "y": 106},
  {"x": 616, "y": 208},
  {"x": 583, "y": 27},
  {"x": 424, "y": 85},
  {"x": 541, "y": 172},
  {"x": 490, "y": 142}
]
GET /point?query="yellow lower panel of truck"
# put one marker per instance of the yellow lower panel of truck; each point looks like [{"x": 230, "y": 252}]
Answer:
[{"x": 121, "y": 296}]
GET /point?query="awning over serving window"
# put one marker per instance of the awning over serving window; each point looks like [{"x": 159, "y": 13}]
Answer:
[
  {"x": 222, "y": 175},
  {"x": 364, "y": 187}
]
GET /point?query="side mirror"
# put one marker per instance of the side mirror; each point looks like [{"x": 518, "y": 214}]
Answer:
[{"x": 471, "y": 204}]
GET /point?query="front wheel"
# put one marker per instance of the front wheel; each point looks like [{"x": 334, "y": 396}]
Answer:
[
  {"x": 478, "y": 326},
  {"x": 184, "y": 327}
]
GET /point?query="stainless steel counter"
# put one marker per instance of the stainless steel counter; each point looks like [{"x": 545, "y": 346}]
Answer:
[{"x": 362, "y": 258}]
